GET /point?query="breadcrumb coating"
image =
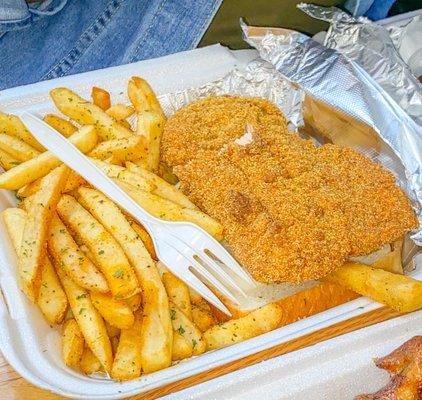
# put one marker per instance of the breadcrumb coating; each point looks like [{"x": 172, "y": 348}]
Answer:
[{"x": 291, "y": 211}]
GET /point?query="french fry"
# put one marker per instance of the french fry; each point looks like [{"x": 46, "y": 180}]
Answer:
[
  {"x": 89, "y": 363},
  {"x": 202, "y": 316},
  {"x": 7, "y": 161},
  {"x": 101, "y": 98},
  {"x": 163, "y": 189},
  {"x": 401, "y": 293},
  {"x": 109, "y": 257},
  {"x": 120, "y": 149},
  {"x": 89, "y": 320},
  {"x": 123, "y": 175},
  {"x": 112, "y": 331},
  {"x": 51, "y": 298},
  {"x": 142, "y": 96},
  {"x": 86, "y": 113},
  {"x": 187, "y": 329},
  {"x": 144, "y": 236},
  {"x": 128, "y": 359},
  {"x": 150, "y": 126},
  {"x": 134, "y": 302},
  {"x": 72, "y": 343},
  {"x": 257, "y": 322},
  {"x": 13, "y": 126},
  {"x": 73, "y": 181},
  {"x": 17, "y": 148},
  {"x": 39, "y": 166},
  {"x": 181, "y": 348},
  {"x": 66, "y": 128},
  {"x": 166, "y": 209},
  {"x": 120, "y": 111},
  {"x": 32, "y": 251},
  {"x": 178, "y": 292},
  {"x": 76, "y": 265},
  {"x": 126, "y": 124},
  {"x": 195, "y": 297},
  {"x": 115, "y": 312},
  {"x": 14, "y": 220},
  {"x": 156, "y": 335}
]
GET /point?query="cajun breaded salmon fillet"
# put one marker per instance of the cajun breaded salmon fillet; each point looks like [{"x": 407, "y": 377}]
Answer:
[{"x": 291, "y": 211}]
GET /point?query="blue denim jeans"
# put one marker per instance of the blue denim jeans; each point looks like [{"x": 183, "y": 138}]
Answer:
[{"x": 63, "y": 37}]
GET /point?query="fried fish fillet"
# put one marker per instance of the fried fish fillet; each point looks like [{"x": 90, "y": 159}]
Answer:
[{"x": 291, "y": 211}]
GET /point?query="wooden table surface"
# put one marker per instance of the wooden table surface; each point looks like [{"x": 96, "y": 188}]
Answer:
[{"x": 14, "y": 387}]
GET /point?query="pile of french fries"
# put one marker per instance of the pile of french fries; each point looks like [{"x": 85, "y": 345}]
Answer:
[{"x": 93, "y": 269}]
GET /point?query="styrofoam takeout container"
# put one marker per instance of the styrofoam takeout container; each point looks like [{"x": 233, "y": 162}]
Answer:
[{"x": 27, "y": 342}]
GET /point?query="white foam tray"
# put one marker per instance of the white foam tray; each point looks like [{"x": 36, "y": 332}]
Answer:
[
  {"x": 26, "y": 341},
  {"x": 343, "y": 365}
]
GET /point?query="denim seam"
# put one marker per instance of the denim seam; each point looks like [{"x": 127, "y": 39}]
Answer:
[
  {"x": 157, "y": 12},
  {"x": 206, "y": 24},
  {"x": 57, "y": 70}
]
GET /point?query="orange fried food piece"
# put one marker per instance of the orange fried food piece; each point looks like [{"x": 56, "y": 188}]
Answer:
[
  {"x": 405, "y": 367},
  {"x": 291, "y": 211}
]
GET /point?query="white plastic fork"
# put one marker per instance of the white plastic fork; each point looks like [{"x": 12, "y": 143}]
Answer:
[{"x": 183, "y": 247}]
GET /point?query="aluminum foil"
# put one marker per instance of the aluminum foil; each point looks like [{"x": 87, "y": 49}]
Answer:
[
  {"x": 258, "y": 79},
  {"x": 375, "y": 49}
]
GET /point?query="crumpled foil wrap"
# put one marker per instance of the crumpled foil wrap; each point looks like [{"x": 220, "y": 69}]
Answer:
[
  {"x": 375, "y": 49},
  {"x": 326, "y": 97}
]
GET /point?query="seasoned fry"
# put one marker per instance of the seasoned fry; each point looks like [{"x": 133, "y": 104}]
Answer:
[
  {"x": 202, "y": 316},
  {"x": 86, "y": 113},
  {"x": 115, "y": 312},
  {"x": 163, "y": 189},
  {"x": 13, "y": 126},
  {"x": 73, "y": 181},
  {"x": 120, "y": 149},
  {"x": 39, "y": 166},
  {"x": 89, "y": 362},
  {"x": 32, "y": 251},
  {"x": 144, "y": 236},
  {"x": 14, "y": 220},
  {"x": 178, "y": 293},
  {"x": 120, "y": 111},
  {"x": 150, "y": 126},
  {"x": 123, "y": 175},
  {"x": 101, "y": 98},
  {"x": 112, "y": 331},
  {"x": 195, "y": 297},
  {"x": 128, "y": 359},
  {"x": 89, "y": 320},
  {"x": 51, "y": 298},
  {"x": 262, "y": 320},
  {"x": 142, "y": 96},
  {"x": 7, "y": 161},
  {"x": 17, "y": 148},
  {"x": 134, "y": 302},
  {"x": 181, "y": 348},
  {"x": 76, "y": 265},
  {"x": 109, "y": 257},
  {"x": 401, "y": 293},
  {"x": 165, "y": 209},
  {"x": 72, "y": 343},
  {"x": 187, "y": 329},
  {"x": 156, "y": 335},
  {"x": 66, "y": 128}
]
